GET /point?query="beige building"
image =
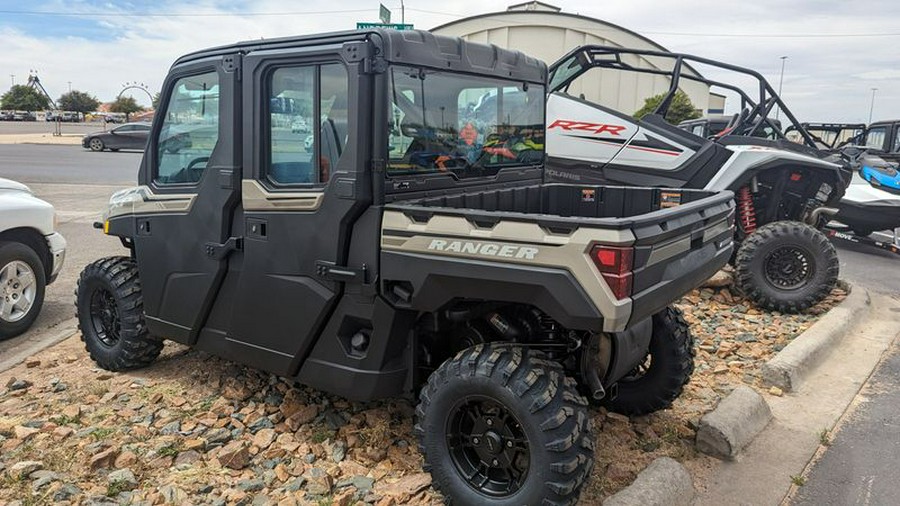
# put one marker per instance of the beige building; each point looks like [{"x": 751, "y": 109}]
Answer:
[{"x": 544, "y": 31}]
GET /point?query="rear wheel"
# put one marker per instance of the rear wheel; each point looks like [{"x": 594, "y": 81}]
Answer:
[
  {"x": 502, "y": 424},
  {"x": 96, "y": 144},
  {"x": 786, "y": 266},
  {"x": 22, "y": 284},
  {"x": 657, "y": 381},
  {"x": 110, "y": 312}
]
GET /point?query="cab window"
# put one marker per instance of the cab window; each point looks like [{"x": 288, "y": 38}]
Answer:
[
  {"x": 190, "y": 129},
  {"x": 307, "y": 123},
  {"x": 875, "y": 138}
]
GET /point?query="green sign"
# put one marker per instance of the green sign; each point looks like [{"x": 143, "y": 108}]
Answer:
[
  {"x": 384, "y": 14},
  {"x": 395, "y": 26}
]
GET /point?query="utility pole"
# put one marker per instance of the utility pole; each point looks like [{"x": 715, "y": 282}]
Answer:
[
  {"x": 13, "y": 78},
  {"x": 402, "y": 13},
  {"x": 872, "y": 104},
  {"x": 70, "y": 86},
  {"x": 780, "y": 83}
]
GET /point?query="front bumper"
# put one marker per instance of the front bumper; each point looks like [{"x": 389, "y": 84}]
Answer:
[{"x": 57, "y": 244}]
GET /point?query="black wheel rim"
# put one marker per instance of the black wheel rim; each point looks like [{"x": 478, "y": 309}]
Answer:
[
  {"x": 788, "y": 267},
  {"x": 105, "y": 316},
  {"x": 488, "y": 446}
]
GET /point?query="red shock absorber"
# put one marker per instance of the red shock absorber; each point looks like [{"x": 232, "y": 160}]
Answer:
[{"x": 745, "y": 209}]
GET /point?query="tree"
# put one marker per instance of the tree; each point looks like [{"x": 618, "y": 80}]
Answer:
[
  {"x": 681, "y": 108},
  {"x": 127, "y": 105},
  {"x": 155, "y": 103},
  {"x": 78, "y": 101},
  {"x": 24, "y": 98}
]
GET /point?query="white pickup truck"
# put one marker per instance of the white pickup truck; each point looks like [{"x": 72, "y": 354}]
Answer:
[{"x": 31, "y": 256}]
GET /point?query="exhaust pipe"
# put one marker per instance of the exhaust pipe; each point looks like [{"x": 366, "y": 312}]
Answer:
[{"x": 813, "y": 217}]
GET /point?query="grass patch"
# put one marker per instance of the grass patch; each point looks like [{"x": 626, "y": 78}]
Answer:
[
  {"x": 102, "y": 433},
  {"x": 825, "y": 438},
  {"x": 322, "y": 435},
  {"x": 170, "y": 450},
  {"x": 798, "y": 480}
]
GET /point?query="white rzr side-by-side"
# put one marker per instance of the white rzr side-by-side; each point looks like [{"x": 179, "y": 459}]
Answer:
[{"x": 784, "y": 191}]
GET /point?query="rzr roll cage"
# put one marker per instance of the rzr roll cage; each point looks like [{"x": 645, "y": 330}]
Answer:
[
  {"x": 754, "y": 113},
  {"x": 836, "y": 129}
]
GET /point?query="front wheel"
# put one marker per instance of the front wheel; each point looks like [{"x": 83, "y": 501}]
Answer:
[
  {"x": 660, "y": 378},
  {"x": 96, "y": 144},
  {"x": 22, "y": 284},
  {"x": 786, "y": 266},
  {"x": 110, "y": 311},
  {"x": 502, "y": 424}
]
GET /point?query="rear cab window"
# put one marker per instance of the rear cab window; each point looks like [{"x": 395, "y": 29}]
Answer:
[
  {"x": 462, "y": 126},
  {"x": 190, "y": 130},
  {"x": 875, "y": 138}
]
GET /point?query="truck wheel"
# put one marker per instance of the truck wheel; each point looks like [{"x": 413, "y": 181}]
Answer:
[
  {"x": 786, "y": 266},
  {"x": 110, "y": 311},
  {"x": 659, "y": 380},
  {"x": 502, "y": 424},
  {"x": 22, "y": 283}
]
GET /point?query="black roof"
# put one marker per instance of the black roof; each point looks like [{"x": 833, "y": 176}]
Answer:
[{"x": 413, "y": 47}]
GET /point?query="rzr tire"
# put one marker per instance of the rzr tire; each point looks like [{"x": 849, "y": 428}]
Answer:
[
  {"x": 543, "y": 407},
  {"x": 110, "y": 311},
  {"x": 22, "y": 285},
  {"x": 655, "y": 385},
  {"x": 786, "y": 266}
]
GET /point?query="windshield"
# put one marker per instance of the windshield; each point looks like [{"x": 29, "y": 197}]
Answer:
[{"x": 462, "y": 125}]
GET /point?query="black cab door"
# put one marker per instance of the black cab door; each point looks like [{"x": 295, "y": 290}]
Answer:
[
  {"x": 299, "y": 200},
  {"x": 190, "y": 173}
]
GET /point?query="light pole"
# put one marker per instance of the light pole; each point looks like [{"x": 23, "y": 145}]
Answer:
[
  {"x": 12, "y": 77},
  {"x": 70, "y": 86},
  {"x": 872, "y": 104},
  {"x": 780, "y": 82}
]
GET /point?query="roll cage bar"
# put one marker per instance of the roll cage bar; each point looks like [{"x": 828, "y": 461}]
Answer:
[{"x": 754, "y": 113}]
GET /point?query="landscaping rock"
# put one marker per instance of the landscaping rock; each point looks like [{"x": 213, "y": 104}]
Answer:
[
  {"x": 123, "y": 479},
  {"x": 234, "y": 455},
  {"x": 21, "y": 470}
]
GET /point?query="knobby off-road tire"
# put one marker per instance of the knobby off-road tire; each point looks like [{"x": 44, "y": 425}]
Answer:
[
  {"x": 659, "y": 380},
  {"x": 110, "y": 312},
  {"x": 512, "y": 421},
  {"x": 786, "y": 266},
  {"x": 22, "y": 285}
]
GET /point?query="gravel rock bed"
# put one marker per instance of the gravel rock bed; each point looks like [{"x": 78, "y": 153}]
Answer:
[{"x": 195, "y": 429}]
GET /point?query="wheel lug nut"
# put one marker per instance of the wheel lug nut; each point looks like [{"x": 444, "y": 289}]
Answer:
[
  {"x": 489, "y": 421},
  {"x": 495, "y": 462},
  {"x": 475, "y": 440},
  {"x": 509, "y": 444}
]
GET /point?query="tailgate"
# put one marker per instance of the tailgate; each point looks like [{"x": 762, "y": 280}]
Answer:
[{"x": 675, "y": 255}]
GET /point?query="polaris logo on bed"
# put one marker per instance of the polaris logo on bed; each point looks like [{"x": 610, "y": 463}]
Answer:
[{"x": 484, "y": 249}]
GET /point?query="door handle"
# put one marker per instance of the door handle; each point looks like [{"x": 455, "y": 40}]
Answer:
[{"x": 221, "y": 251}]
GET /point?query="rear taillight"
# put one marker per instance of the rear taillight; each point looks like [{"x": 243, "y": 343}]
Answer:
[{"x": 614, "y": 264}]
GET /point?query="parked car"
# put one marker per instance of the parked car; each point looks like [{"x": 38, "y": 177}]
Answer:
[
  {"x": 63, "y": 116},
  {"x": 24, "y": 116},
  {"x": 6, "y": 115},
  {"x": 31, "y": 256},
  {"x": 127, "y": 136}
]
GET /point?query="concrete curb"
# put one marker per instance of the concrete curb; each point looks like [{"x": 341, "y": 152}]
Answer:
[
  {"x": 36, "y": 344},
  {"x": 738, "y": 418},
  {"x": 787, "y": 369},
  {"x": 664, "y": 482}
]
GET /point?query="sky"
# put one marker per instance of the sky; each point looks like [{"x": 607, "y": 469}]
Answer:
[{"x": 837, "y": 50}]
